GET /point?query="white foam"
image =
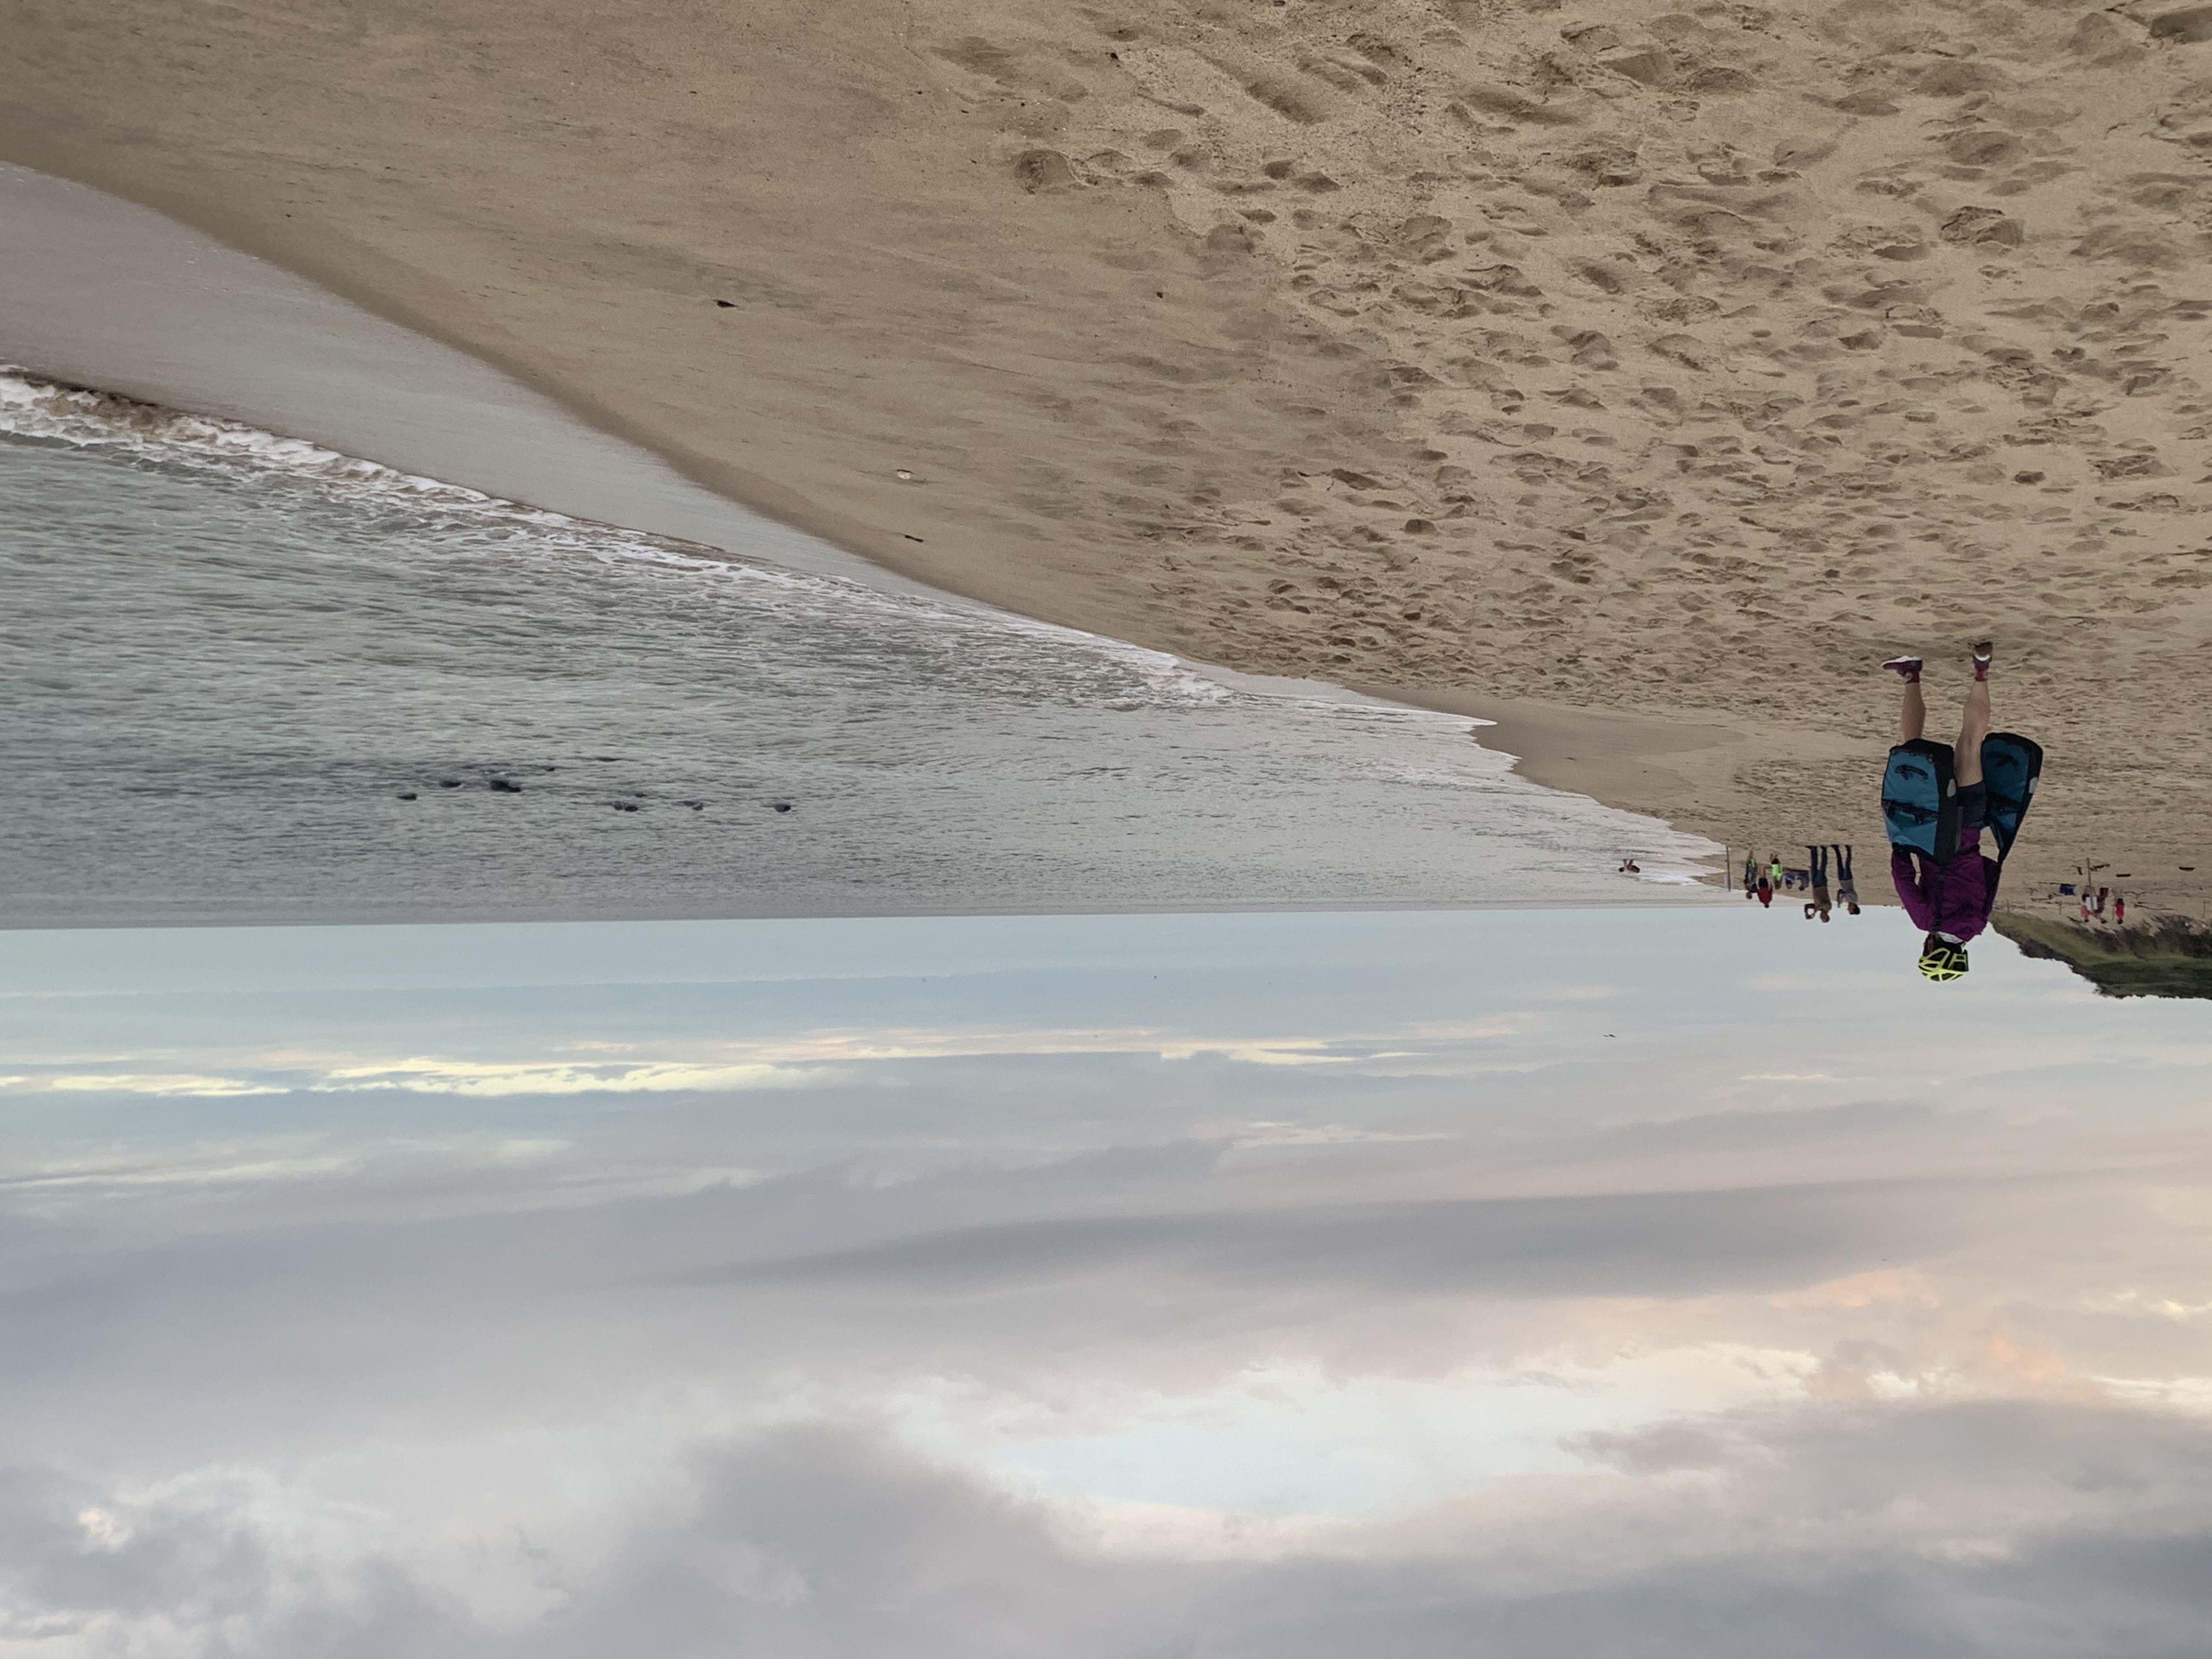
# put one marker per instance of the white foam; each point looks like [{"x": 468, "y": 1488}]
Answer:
[{"x": 36, "y": 408}]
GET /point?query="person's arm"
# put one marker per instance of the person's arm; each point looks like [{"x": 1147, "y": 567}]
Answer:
[
  {"x": 1905, "y": 874},
  {"x": 1986, "y": 900}
]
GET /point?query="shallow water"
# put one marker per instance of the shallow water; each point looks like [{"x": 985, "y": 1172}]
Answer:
[{"x": 240, "y": 656}]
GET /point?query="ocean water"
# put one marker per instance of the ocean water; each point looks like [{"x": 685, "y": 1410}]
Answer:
[{"x": 252, "y": 680}]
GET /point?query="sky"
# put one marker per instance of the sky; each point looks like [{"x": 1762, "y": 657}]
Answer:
[{"x": 1603, "y": 1282}]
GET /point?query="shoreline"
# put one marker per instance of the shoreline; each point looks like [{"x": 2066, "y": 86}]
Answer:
[
  {"x": 117, "y": 297},
  {"x": 339, "y": 274},
  {"x": 114, "y": 297}
]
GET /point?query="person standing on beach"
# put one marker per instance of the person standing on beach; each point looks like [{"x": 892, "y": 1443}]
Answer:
[
  {"x": 1949, "y": 901},
  {"x": 1816, "y": 860},
  {"x": 1847, "y": 892},
  {"x": 1766, "y": 894},
  {"x": 1774, "y": 867}
]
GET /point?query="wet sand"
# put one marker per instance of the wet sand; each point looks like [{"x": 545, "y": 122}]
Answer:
[
  {"x": 103, "y": 294},
  {"x": 1675, "y": 365}
]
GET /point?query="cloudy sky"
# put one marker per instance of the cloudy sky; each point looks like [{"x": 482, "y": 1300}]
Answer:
[{"x": 1597, "y": 1283}]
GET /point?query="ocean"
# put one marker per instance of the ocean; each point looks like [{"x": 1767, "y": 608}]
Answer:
[{"x": 254, "y": 681}]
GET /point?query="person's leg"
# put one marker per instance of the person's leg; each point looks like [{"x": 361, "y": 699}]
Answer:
[
  {"x": 1913, "y": 720},
  {"x": 1966, "y": 762}
]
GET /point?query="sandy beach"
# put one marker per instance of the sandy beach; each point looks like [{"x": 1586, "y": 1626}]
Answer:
[{"x": 1635, "y": 378}]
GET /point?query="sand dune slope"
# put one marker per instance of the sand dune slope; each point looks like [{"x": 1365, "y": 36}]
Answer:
[{"x": 1680, "y": 361}]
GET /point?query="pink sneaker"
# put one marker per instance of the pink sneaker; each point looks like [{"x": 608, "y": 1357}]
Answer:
[{"x": 1906, "y": 668}]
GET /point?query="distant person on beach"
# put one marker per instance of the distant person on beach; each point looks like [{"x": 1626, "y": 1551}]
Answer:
[
  {"x": 1629, "y": 866},
  {"x": 2119, "y": 911},
  {"x": 1766, "y": 893},
  {"x": 1774, "y": 867},
  {"x": 1847, "y": 892},
  {"x": 1949, "y": 900},
  {"x": 1817, "y": 859},
  {"x": 1750, "y": 874}
]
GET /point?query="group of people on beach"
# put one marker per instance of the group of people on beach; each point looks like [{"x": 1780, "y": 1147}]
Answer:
[
  {"x": 1763, "y": 882},
  {"x": 2098, "y": 903}
]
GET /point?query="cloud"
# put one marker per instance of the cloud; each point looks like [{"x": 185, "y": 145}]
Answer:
[
  {"x": 145, "y": 1083},
  {"x": 1633, "y": 1244},
  {"x": 175, "y": 1172},
  {"x": 454, "y": 1077},
  {"x": 2028, "y": 1531},
  {"x": 798, "y": 1060},
  {"x": 1265, "y": 1134}
]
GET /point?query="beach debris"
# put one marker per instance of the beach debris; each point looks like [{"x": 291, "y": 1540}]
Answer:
[
  {"x": 781, "y": 805},
  {"x": 623, "y": 805},
  {"x": 504, "y": 786},
  {"x": 914, "y": 538},
  {"x": 727, "y": 305},
  {"x": 904, "y": 476},
  {"x": 449, "y": 783},
  {"x": 696, "y": 805},
  {"x": 410, "y": 796}
]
